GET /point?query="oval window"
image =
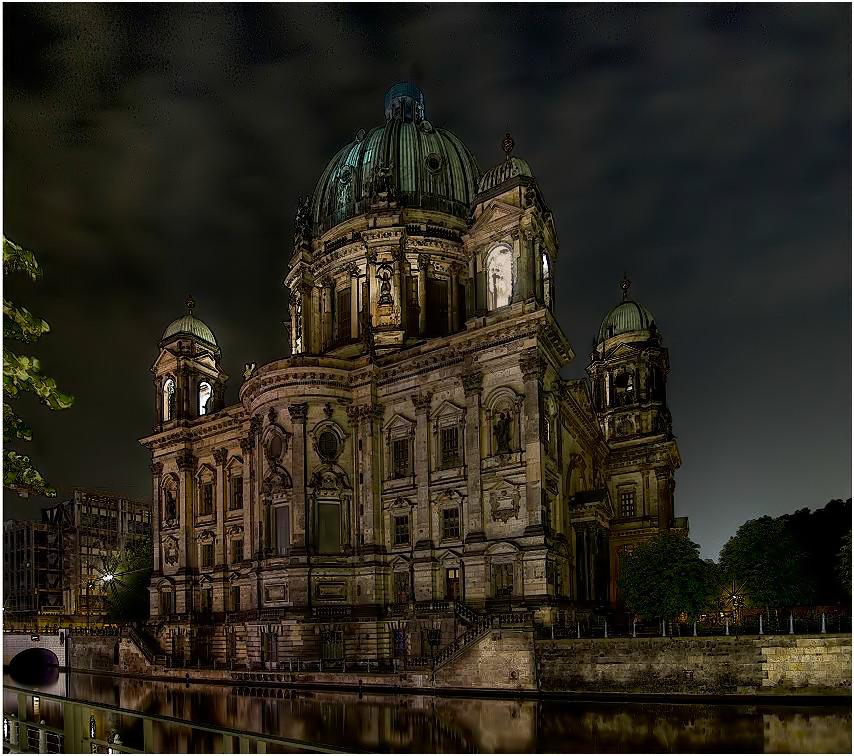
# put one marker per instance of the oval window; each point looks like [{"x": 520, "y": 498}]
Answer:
[
  {"x": 327, "y": 445},
  {"x": 276, "y": 446},
  {"x": 433, "y": 162}
]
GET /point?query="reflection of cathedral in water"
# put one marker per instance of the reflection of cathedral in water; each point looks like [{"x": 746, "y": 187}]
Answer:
[{"x": 419, "y": 444}]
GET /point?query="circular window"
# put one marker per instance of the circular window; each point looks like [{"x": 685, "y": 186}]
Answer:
[
  {"x": 327, "y": 445},
  {"x": 345, "y": 175},
  {"x": 433, "y": 162}
]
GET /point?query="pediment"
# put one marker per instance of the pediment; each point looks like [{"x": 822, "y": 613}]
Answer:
[
  {"x": 397, "y": 422},
  {"x": 626, "y": 349},
  {"x": 496, "y": 213},
  {"x": 447, "y": 409},
  {"x": 165, "y": 361}
]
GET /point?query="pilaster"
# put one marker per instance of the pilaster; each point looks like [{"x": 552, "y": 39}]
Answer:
[
  {"x": 422, "y": 531},
  {"x": 472, "y": 388},
  {"x": 532, "y": 369},
  {"x": 156, "y": 469},
  {"x": 299, "y": 415}
]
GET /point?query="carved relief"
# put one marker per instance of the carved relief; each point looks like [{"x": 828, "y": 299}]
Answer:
[
  {"x": 170, "y": 550},
  {"x": 504, "y": 502}
]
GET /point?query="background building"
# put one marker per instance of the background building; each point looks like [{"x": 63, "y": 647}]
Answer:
[
  {"x": 419, "y": 444},
  {"x": 54, "y": 569}
]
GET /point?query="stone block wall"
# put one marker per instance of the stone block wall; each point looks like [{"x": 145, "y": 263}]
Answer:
[
  {"x": 502, "y": 659},
  {"x": 718, "y": 665},
  {"x": 820, "y": 661}
]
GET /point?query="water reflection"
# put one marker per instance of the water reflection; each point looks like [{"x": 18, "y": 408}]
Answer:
[{"x": 428, "y": 724}]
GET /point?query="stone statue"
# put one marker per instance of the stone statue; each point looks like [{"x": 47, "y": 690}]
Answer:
[
  {"x": 381, "y": 184},
  {"x": 385, "y": 297},
  {"x": 502, "y": 433},
  {"x": 302, "y": 221},
  {"x": 171, "y": 513},
  {"x": 248, "y": 370}
]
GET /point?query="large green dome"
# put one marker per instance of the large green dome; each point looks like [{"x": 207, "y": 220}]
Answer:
[{"x": 429, "y": 167}]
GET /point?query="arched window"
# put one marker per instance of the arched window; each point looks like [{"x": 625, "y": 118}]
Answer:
[
  {"x": 499, "y": 277},
  {"x": 168, "y": 399},
  {"x": 205, "y": 398},
  {"x": 624, "y": 385},
  {"x": 547, "y": 281}
]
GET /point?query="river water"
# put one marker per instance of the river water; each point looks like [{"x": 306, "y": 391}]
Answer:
[{"x": 436, "y": 724}]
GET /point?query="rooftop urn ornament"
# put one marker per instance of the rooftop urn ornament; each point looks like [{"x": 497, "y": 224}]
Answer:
[{"x": 507, "y": 144}]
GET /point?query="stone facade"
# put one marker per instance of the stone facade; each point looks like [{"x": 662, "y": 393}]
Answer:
[{"x": 419, "y": 444}]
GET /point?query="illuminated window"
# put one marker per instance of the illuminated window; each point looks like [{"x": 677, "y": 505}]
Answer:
[
  {"x": 627, "y": 504},
  {"x": 168, "y": 399},
  {"x": 499, "y": 277},
  {"x": 205, "y": 398}
]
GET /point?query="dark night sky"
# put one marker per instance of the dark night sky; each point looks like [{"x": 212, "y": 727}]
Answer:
[{"x": 156, "y": 150}]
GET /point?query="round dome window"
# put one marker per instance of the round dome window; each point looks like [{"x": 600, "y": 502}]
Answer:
[
  {"x": 345, "y": 175},
  {"x": 327, "y": 445},
  {"x": 433, "y": 162}
]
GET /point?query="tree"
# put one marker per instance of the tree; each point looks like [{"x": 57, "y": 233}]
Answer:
[
  {"x": 665, "y": 577},
  {"x": 843, "y": 564},
  {"x": 126, "y": 578},
  {"x": 23, "y": 374},
  {"x": 764, "y": 560}
]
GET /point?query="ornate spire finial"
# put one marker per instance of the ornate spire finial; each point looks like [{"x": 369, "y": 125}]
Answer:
[
  {"x": 624, "y": 285},
  {"x": 191, "y": 303},
  {"x": 507, "y": 144}
]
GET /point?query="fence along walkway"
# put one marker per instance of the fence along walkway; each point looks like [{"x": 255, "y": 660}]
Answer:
[{"x": 22, "y": 736}]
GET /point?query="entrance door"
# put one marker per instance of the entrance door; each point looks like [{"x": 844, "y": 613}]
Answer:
[{"x": 452, "y": 584}]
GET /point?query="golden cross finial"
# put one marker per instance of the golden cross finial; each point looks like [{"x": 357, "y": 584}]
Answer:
[
  {"x": 191, "y": 303},
  {"x": 507, "y": 144}
]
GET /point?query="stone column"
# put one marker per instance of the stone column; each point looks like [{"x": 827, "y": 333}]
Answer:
[
  {"x": 353, "y": 412},
  {"x": 665, "y": 509},
  {"x": 250, "y": 544},
  {"x": 531, "y": 366},
  {"x": 455, "y": 297},
  {"x": 220, "y": 505},
  {"x": 158, "y": 402},
  {"x": 156, "y": 469},
  {"x": 423, "y": 262},
  {"x": 305, "y": 310},
  {"x": 186, "y": 391},
  {"x": 187, "y": 558},
  {"x": 538, "y": 274},
  {"x": 397, "y": 290},
  {"x": 516, "y": 295},
  {"x": 372, "y": 284},
  {"x": 472, "y": 386},
  {"x": 354, "y": 302},
  {"x": 526, "y": 251},
  {"x": 421, "y": 526},
  {"x": 370, "y": 419},
  {"x": 302, "y": 530},
  {"x": 451, "y": 288},
  {"x": 326, "y": 314}
]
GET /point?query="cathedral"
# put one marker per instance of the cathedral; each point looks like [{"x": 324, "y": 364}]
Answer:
[{"x": 417, "y": 458}]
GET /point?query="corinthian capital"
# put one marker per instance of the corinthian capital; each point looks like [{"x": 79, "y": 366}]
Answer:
[
  {"x": 421, "y": 402},
  {"x": 298, "y": 412}
]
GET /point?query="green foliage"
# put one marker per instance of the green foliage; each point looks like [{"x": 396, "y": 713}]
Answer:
[
  {"x": 127, "y": 592},
  {"x": 765, "y": 561},
  {"x": 843, "y": 562},
  {"x": 23, "y": 374},
  {"x": 819, "y": 535},
  {"x": 665, "y": 577}
]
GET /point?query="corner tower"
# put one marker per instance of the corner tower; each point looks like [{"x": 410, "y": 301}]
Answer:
[
  {"x": 628, "y": 374},
  {"x": 189, "y": 381}
]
